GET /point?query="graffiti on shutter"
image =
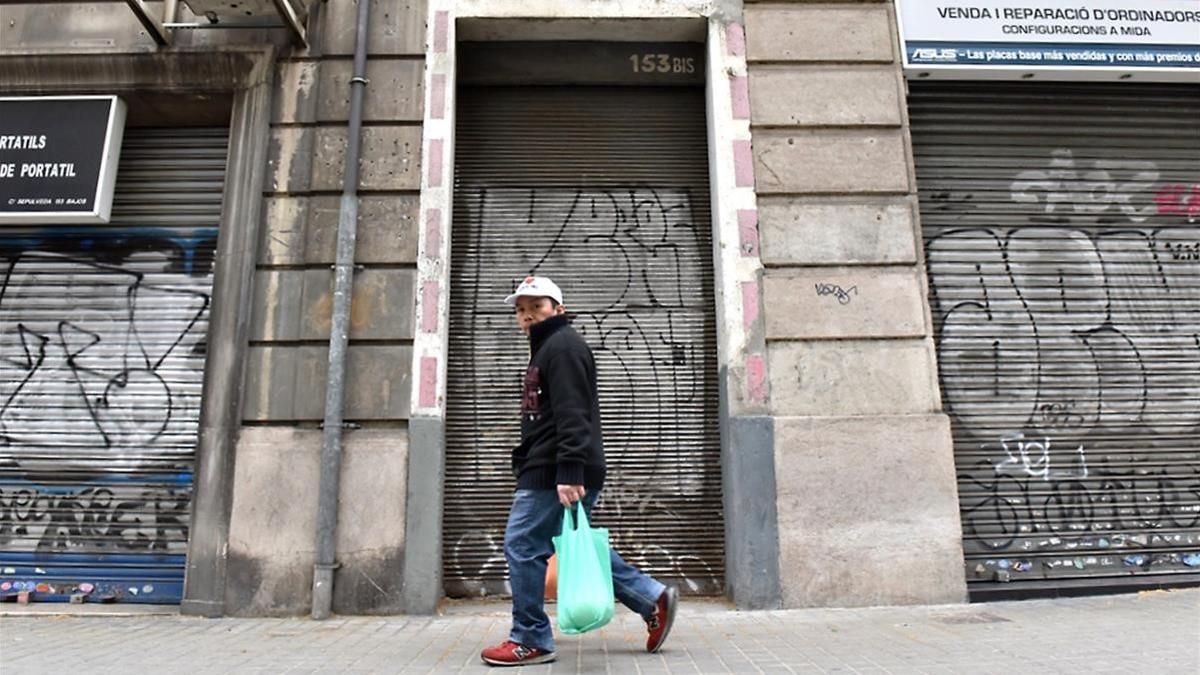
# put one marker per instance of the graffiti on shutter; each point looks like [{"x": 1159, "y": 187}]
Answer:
[
  {"x": 102, "y": 346},
  {"x": 606, "y": 192},
  {"x": 1066, "y": 295}
]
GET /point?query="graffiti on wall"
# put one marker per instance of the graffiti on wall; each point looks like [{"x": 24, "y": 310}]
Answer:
[
  {"x": 632, "y": 263},
  {"x": 1069, "y": 352},
  {"x": 90, "y": 344},
  {"x": 101, "y": 365},
  {"x": 144, "y": 520},
  {"x": 633, "y": 258}
]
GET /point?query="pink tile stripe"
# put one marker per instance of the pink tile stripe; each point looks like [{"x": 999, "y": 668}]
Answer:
[
  {"x": 749, "y": 303},
  {"x": 748, "y": 232},
  {"x": 428, "y": 391},
  {"x": 437, "y": 97},
  {"x": 441, "y": 31},
  {"x": 735, "y": 40},
  {"x": 433, "y": 233},
  {"x": 743, "y": 164},
  {"x": 739, "y": 90},
  {"x": 429, "y": 306},
  {"x": 435, "y": 162},
  {"x": 756, "y": 379}
]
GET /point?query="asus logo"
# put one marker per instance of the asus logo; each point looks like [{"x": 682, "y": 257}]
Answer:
[{"x": 929, "y": 54}]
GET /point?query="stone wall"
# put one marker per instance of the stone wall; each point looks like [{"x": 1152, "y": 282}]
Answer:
[
  {"x": 866, "y": 498},
  {"x": 272, "y": 533}
]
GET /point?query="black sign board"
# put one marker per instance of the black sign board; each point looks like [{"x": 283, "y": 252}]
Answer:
[{"x": 58, "y": 158}]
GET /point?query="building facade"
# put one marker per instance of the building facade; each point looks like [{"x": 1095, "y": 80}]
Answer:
[{"x": 888, "y": 308}]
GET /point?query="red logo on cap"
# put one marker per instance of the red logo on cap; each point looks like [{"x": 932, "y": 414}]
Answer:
[{"x": 528, "y": 280}]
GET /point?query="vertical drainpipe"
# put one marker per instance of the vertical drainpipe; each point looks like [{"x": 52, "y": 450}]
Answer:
[{"x": 339, "y": 333}]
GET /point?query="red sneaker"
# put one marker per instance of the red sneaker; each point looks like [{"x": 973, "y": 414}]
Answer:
[
  {"x": 660, "y": 622},
  {"x": 509, "y": 653}
]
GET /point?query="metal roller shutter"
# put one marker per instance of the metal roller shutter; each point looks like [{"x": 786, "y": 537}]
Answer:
[
  {"x": 1062, "y": 237},
  {"x": 102, "y": 347},
  {"x": 605, "y": 190}
]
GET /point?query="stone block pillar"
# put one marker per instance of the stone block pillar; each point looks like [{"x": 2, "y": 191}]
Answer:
[{"x": 866, "y": 497}]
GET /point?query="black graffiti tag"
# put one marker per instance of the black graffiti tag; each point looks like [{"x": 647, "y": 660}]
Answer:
[{"x": 843, "y": 295}]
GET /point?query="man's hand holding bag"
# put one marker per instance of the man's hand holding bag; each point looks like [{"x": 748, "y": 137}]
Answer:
[{"x": 585, "y": 585}]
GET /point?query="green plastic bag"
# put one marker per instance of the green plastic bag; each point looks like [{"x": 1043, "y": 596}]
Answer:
[{"x": 585, "y": 585}]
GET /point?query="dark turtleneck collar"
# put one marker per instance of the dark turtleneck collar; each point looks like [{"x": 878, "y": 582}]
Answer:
[{"x": 539, "y": 332}]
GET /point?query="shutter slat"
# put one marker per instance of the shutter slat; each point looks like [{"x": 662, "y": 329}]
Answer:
[
  {"x": 605, "y": 190},
  {"x": 1062, "y": 236},
  {"x": 102, "y": 342}
]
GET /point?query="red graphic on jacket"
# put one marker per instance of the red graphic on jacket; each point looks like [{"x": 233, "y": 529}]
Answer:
[{"x": 530, "y": 396}]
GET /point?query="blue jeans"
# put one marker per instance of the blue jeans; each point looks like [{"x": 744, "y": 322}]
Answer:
[{"x": 535, "y": 518}]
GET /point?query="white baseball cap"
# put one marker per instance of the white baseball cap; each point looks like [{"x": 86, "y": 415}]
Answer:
[{"x": 540, "y": 287}]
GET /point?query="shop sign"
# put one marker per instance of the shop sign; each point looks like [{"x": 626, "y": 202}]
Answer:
[
  {"x": 58, "y": 158},
  {"x": 1153, "y": 40}
]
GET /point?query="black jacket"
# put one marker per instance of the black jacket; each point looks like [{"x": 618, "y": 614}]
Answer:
[{"x": 560, "y": 412}]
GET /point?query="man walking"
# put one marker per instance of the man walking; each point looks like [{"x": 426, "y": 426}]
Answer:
[{"x": 560, "y": 461}]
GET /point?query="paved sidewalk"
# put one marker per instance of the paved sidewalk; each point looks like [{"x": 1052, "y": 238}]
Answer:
[{"x": 1156, "y": 632}]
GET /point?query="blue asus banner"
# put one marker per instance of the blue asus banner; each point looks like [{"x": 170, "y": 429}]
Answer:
[{"x": 1038, "y": 54}]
